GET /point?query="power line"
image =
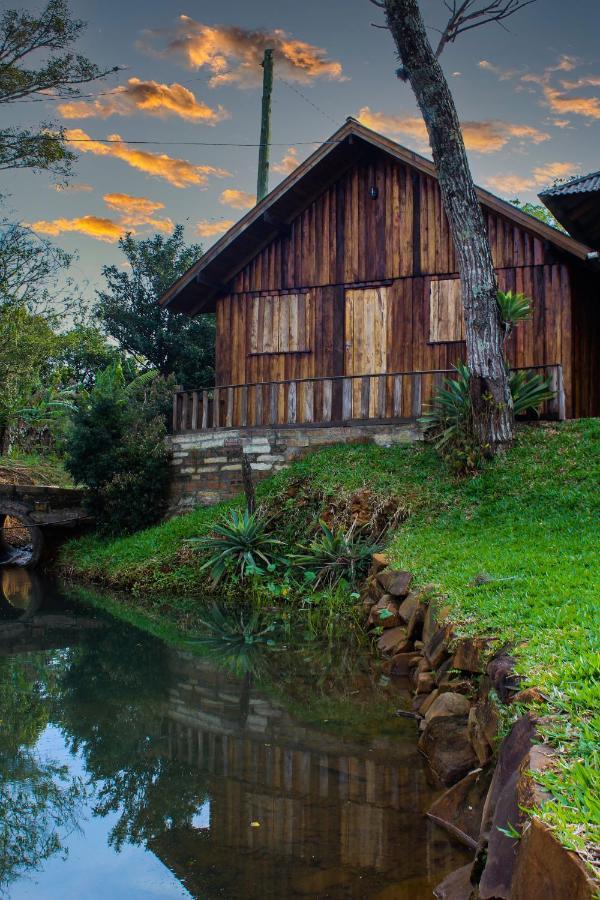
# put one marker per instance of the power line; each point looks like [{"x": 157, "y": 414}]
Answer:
[
  {"x": 198, "y": 143},
  {"x": 305, "y": 98}
]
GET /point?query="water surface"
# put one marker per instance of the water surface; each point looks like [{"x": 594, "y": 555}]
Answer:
[{"x": 130, "y": 769}]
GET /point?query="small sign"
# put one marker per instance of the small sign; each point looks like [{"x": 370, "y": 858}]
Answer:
[{"x": 232, "y": 442}]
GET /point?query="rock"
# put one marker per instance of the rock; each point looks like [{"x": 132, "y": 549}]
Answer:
[
  {"x": 481, "y": 747},
  {"x": 502, "y": 810},
  {"x": 388, "y": 606},
  {"x": 470, "y": 653},
  {"x": 418, "y": 701},
  {"x": 414, "y": 664},
  {"x": 425, "y": 682},
  {"x": 408, "y": 606},
  {"x": 395, "y": 582},
  {"x": 429, "y": 700},
  {"x": 460, "y": 809},
  {"x": 457, "y": 686},
  {"x": 456, "y": 886},
  {"x": 483, "y": 729},
  {"x": 418, "y": 645},
  {"x": 415, "y": 623},
  {"x": 528, "y": 697},
  {"x": 545, "y": 870},
  {"x": 379, "y": 561},
  {"x": 399, "y": 664},
  {"x": 393, "y": 640},
  {"x": 502, "y": 678},
  {"x": 445, "y": 742},
  {"x": 448, "y": 705},
  {"x": 436, "y": 648}
]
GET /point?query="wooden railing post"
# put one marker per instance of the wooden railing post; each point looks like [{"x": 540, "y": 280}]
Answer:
[
  {"x": 229, "y": 410},
  {"x": 194, "y": 410},
  {"x": 309, "y": 400},
  {"x": 347, "y": 399},
  {"x": 204, "y": 410},
  {"x": 556, "y": 406},
  {"x": 327, "y": 400},
  {"x": 292, "y": 401},
  {"x": 397, "y": 397},
  {"x": 216, "y": 399},
  {"x": 175, "y": 412},
  {"x": 416, "y": 378}
]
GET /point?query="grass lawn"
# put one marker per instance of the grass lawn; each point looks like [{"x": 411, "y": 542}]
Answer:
[{"x": 529, "y": 523}]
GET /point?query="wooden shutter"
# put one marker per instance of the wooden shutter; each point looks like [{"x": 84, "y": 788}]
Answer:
[
  {"x": 446, "y": 316},
  {"x": 281, "y": 324}
]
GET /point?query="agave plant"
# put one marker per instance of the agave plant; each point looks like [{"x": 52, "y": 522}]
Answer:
[
  {"x": 239, "y": 543},
  {"x": 449, "y": 412},
  {"x": 237, "y": 638},
  {"x": 514, "y": 308},
  {"x": 334, "y": 555}
]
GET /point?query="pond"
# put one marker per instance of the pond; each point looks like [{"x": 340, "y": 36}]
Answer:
[{"x": 133, "y": 769}]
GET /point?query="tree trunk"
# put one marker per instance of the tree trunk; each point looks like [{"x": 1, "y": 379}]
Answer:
[
  {"x": 490, "y": 392},
  {"x": 4, "y": 439}
]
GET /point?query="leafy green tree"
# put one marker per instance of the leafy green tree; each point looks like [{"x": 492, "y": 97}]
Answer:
[
  {"x": 117, "y": 449},
  {"x": 128, "y": 309},
  {"x": 539, "y": 211},
  {"x": 24, "y": 37},
  {"x": 33, "y": 272}
]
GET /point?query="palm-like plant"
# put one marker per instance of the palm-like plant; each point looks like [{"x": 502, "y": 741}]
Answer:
[
  {"x": 513, "y": 308},
  {"x": 450, "y": 408},
  {"x": 237, "y": 638},
  {"x": 240, "y": 543},
  {"x": 334, "y": 555}
]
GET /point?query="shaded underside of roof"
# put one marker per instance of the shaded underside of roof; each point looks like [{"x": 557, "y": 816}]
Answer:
[
  {"x": 576, "y": 205},
  {"x": 197, "y": 290}
]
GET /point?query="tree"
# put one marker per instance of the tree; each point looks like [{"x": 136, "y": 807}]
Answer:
[
  {"x": 492, "y": 411},
  {"x": 32, "y": 269},
  {"x": 22, "y": 36},
  {"x": 129, "y": 311},
  {"x": 539, "y": 212}
]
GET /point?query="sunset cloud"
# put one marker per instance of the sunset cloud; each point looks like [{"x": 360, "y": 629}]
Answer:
[
  {"x": 98, "y": 227},
  {"x": 138, "y": 211},
  {"x": 511, "y": 185},
  {"x": 558, "y": 97},
  {"x": 233, "y": 55},
  {"x": 207, "y": 228},
  {"x": 237, "y": 199},
  {"x": 77, "y": 187},
  {"x": 149, "y": 97},
  {"x": 288, "y": 162},
  {"x": 481, "y": 137},
  {"x": 178, "y": 172}
]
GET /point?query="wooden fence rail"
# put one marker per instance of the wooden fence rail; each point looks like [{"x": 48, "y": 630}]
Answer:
[{"x": 388, "y": 397}]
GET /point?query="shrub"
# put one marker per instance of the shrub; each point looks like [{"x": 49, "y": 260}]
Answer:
[
  {"x": 116, "y": 448},
  {"x": 336, "y": 555},
  {"x": 240, "y": 544}
]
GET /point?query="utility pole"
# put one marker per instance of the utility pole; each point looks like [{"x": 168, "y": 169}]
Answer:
[{"x": 262, "y": 187}]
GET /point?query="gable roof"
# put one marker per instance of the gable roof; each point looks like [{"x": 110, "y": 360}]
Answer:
[
  {"x": 576, "y": 205},
  {"x": 195, "y": 291}
]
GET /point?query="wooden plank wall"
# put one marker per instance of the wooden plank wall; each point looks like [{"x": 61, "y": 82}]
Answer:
[{"x": 344, "y": 239}]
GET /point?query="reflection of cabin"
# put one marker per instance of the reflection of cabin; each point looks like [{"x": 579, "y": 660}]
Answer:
[
  {"x": 337, "y": 817},
  {"x": 337, "y": 297}
]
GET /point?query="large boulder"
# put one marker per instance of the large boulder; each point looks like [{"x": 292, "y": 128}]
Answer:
[
  {"x": 457, "y": 885},
  {"x": 448, "y": 704},
  {"x": 395, "y": 582},
  {"x": 545, "y": 870},
  {"x": 385, "y": 612},
  {"x": 445, "y": 742},
  {"x": 393, "y": 640},
  {"x": 471, "y": 652},
  {"x": 460, "y": 808}
]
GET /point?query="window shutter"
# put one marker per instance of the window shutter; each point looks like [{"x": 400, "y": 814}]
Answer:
[
  {"x": 281, "y": 324},
  {"x": 446, "y": 314}
]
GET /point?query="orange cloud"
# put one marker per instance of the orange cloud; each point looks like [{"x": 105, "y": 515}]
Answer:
[
  {"x": 237, "y": 199},
  {"x": 178, "y": 172},
  {"x": 149, "y": 97},
  {"x": 288, "y": 162},
  {"x": 136, "y": 211},
  {"x": 233, "y": 55},
  {"x": 481, "y": 137},
  {"x": 560, "y": 102},
  {"x": 206, "y": 228},
  {"x": 512, "y": 185},
  {"x": 95, "y": 226}
]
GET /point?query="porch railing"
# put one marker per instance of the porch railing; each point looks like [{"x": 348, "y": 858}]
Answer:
[{"x": 388, "y": 397}]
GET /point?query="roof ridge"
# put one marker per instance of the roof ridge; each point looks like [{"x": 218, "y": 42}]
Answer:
[{"x": 566, "y": 184}]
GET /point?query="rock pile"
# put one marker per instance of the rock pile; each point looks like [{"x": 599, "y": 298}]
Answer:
[{"x": 459, "y": 686}]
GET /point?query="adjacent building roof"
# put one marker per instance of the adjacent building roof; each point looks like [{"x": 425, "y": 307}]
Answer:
[
  {"x": 576, "y": 205},
  {"x": 197, "y": 290}
]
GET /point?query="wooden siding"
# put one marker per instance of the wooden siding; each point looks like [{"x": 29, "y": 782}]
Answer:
[{"x": 345, "y": 241}]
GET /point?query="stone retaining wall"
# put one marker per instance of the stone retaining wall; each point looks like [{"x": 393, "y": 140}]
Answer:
[{"x": 206, "y": 465}]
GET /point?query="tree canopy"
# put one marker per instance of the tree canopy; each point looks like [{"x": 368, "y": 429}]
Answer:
[{"x": 129, "y": 312}]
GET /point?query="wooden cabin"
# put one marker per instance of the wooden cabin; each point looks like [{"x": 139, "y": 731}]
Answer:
[{"x": 337, "y": 297}]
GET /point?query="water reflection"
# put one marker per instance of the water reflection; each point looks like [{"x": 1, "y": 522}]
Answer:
[{"x": 299, "y": 787}]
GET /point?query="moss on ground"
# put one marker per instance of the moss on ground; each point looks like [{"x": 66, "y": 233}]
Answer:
[{"x": 528, "y": 523}]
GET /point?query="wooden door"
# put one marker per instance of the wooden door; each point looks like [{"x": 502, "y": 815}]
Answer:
[{"x": 365, "y": 346}]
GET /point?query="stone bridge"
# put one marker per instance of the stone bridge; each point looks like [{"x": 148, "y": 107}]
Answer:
[{"x": 35, "y": 519}]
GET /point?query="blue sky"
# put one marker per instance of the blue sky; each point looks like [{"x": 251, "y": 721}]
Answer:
[{"x": 529, "y": 99}]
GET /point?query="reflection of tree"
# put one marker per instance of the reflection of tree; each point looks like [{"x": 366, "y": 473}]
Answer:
[
  {"x": 110, "y": 706},
  {"x": 39, "y": 800}
]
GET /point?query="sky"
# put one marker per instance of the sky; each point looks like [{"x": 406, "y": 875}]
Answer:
[{"x": 528, "y": 98}]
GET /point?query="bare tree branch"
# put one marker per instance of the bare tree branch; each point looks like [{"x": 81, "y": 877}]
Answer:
[{"x": 470, "y": 14}]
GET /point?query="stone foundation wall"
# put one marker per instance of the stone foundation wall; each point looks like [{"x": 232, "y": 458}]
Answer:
[{"x": 206, "y": 464}]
